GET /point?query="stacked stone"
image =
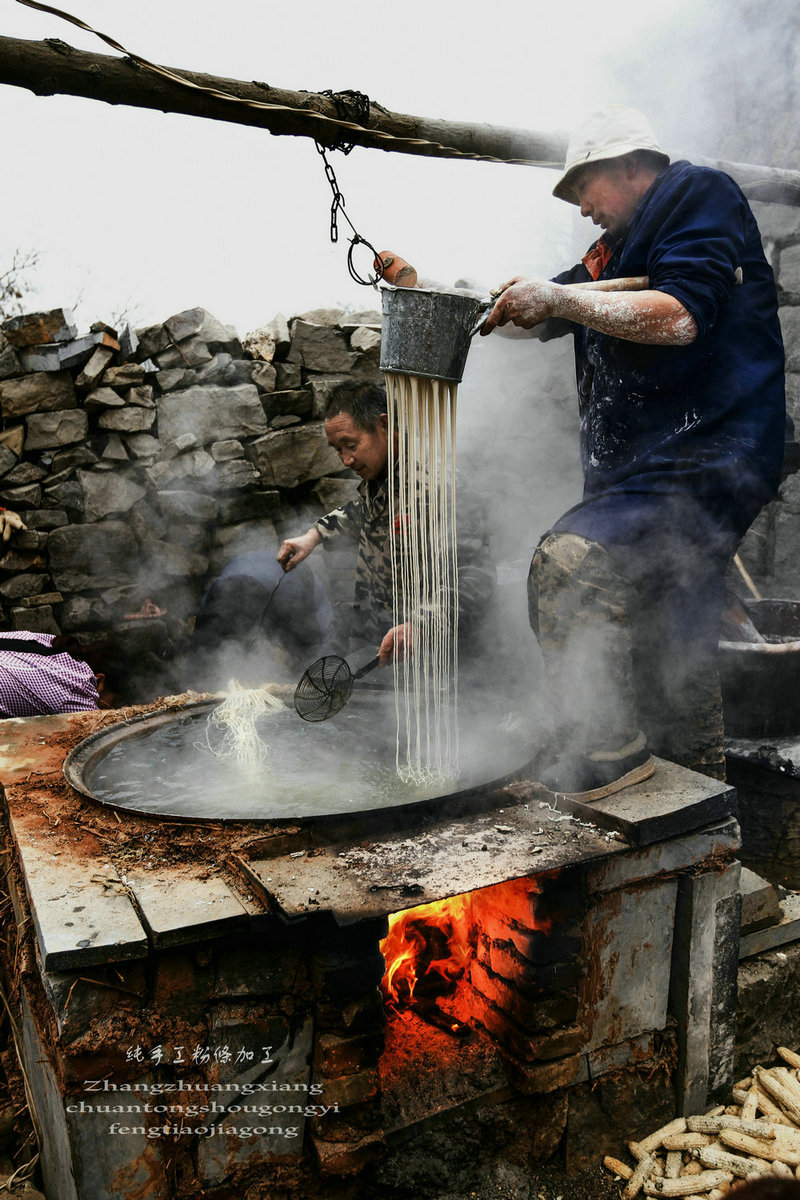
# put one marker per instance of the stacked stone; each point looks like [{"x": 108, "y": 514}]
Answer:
[
  {"x": 349, "y": 1023},
  {"x": 142, "y": 463},
  {"x": 771, "y": 549}
]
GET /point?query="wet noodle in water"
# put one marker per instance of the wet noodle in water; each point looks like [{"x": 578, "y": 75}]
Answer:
[{"x": 235, "y": 719}]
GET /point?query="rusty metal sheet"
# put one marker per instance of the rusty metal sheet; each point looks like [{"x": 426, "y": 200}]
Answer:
[{"x": 370, "y": 878}]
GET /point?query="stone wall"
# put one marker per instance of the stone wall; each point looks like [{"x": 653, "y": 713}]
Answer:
[
  {"x": 771, "y": 549},
  {"x": 141, "y": 463}
]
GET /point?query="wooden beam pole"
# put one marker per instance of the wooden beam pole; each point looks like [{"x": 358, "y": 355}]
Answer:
[{"x": 54, "y": 68}]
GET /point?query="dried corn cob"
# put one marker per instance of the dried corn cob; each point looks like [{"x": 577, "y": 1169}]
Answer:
[
  {"x": 790, "y": 1080},
  {"x": 771, "y": 1151},
  {"x": 638, "y": 1178},
  {"x": 656, "y": 1139},
  {"x": 750, "y": 1105},
  {"x": 639, "y": 1154},
  {"x": 770, "y": 1109},
  {"x": 715, "y": 1124},
  {"x": 691, "y": 1186},
  {"x": 687, "y": 1141},
  {"x": 673, "y": 1165},
  {"x": 716, "y": 1159},
  {"x": 771, "y": 1082},
  {"x": 789, "y": 1056},
  {"x": 617, "y": 1168}
]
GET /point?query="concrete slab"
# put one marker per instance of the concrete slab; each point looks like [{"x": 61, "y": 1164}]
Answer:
[
  {"x": 760, "y": 901},
  {"x": 785, "y": 931},
  {"x": 245, "y": 1132},
  {"x": 27, "y": 747},
  {"x": 179, "y": 908},
  {"x": 717, "y": 842},
  {"x": 56, "y": 1154},
  {"x": 637, "y": 1050},
  {"x": 628, "y": 945},
  {"x": 672, "y": 801},
  {"x": 703, "y": 984},
  {"x": 120, "y": 1155},
  {"x": 79, "y": 919},
  {"x": 362, "y": 878}
]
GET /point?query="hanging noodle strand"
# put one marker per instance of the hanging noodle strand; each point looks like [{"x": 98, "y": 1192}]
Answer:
[{"x": 422, "y": 531}]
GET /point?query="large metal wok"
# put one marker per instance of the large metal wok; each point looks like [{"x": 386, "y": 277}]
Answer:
[{"x": 159, "y": 765}]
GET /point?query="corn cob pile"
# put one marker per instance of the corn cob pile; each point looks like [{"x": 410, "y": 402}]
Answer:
[{"x": 702, "y": 1158}]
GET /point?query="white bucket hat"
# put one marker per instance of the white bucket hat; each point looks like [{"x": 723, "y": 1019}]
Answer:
[{"x": 609, "y": 132}]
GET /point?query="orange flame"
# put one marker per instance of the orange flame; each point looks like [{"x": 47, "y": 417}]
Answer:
[
  {"x": 432, "y": 942},
  {"x": 430, "y": 946}
]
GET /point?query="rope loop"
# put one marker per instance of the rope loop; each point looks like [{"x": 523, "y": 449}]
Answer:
[{"x": 371, "y": 280}]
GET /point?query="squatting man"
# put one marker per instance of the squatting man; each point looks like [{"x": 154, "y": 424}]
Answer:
[
  {"x": 357, "y": 427},
  {"x": 682, "y": 419}
]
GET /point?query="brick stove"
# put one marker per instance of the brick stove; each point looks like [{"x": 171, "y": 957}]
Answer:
[{"x": 605, "y": 947}]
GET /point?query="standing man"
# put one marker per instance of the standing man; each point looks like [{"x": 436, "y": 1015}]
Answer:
[{"x": 682, "y": 414}]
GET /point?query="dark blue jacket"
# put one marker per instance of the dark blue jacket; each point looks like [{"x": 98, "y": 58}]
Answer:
[{"x": 702, "y": 423}]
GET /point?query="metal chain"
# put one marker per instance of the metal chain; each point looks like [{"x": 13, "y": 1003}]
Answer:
[
  {"x": 352, "y": 106},
  {"x": 337, "y": 207}
]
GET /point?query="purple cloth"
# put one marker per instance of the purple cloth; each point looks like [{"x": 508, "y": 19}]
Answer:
[{"x": 35, "y": 684}]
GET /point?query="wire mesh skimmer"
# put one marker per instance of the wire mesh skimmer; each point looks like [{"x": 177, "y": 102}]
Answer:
[{"x": 326, "y": 686}]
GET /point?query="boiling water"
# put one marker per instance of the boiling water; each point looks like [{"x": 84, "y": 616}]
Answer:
[{"x": 339, "y": 766}]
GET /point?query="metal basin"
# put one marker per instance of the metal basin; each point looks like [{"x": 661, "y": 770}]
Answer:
[{"x": 761, "y": 680}]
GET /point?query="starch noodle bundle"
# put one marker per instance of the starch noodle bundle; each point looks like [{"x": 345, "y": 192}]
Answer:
[
  {"x": 424, "y": 574},
  {"x": 236, "y": 718}
]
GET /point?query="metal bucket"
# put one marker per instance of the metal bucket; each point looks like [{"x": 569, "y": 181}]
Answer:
[{"x": 427, "y": 333}]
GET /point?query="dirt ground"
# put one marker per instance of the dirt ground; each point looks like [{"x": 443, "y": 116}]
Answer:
[{"x": 510, "y": 1183}]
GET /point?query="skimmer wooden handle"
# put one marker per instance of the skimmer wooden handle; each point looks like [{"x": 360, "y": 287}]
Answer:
[{"x": 633, "y": 283}]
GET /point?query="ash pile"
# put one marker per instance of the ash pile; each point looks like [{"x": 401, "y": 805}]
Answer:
[{"x": 141, "y": 462}]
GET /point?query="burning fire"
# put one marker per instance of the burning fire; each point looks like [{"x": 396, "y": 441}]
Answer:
[{"x": 427, "y": 948}]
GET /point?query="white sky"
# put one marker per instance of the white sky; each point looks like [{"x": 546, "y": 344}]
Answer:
[{"x": 152, "y": 213}]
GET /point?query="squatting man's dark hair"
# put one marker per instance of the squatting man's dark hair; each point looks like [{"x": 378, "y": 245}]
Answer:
[{"x": 364, "y": 402}]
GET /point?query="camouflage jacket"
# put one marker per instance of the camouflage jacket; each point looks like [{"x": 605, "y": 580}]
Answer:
[{"x": 365, "y": 521}]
